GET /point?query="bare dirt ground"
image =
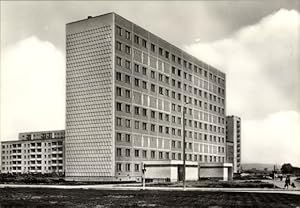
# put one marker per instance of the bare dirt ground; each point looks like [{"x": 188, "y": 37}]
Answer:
[{"x": 35, "y": 197}]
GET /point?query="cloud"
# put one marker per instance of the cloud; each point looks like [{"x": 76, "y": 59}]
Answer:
[
  {"x": 261, "y": 62},
  {"x": 274, "y": 139},
  {"x": 32, "y": 88}
]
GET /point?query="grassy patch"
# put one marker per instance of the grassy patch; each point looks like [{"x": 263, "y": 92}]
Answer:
[{"x": 74, "y": 198}]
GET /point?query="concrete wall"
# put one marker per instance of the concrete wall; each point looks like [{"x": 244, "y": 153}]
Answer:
[
  {"x": 159, "y": 172},
  {"x": 211, "y": 173},
  {"x": 191, "y": 174}
]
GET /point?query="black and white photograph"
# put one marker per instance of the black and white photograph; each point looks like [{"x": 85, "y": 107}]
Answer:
[{"x": 150, "y": 104}]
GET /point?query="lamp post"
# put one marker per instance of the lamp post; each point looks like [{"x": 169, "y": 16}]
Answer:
[{"x": 183, "y": 145}]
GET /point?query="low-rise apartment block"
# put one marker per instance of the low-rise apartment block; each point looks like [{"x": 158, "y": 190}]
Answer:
[{"x": 34, "y": 152}]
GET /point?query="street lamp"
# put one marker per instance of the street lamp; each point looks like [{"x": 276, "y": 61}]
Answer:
[{"x": 183, "y": 145}]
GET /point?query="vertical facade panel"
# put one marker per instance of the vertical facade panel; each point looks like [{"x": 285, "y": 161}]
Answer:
[{"x": 89, "y": 97}]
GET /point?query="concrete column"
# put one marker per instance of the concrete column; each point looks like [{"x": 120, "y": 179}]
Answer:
[{"x": 225, "y": 174}]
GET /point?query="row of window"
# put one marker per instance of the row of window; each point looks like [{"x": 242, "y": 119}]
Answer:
[
  {"x": 30, "y": 168},
  {"x": 124, "y": 122},
  {"x": 214, "y": 108},
  {"x": 124, "y": 137},
  {"x": 127, "y": 167},
  {"x": 174, "y": 83},
  {"x": 166, "y": 54},
  {"x": 167, "y": 156},
  {"x": 143, "y": 153},
  {"x": 31, "y": 144},
  {"x": 166, "y": 117},
  {"x": 165, "y": 91},
  {"x": 127, "y": 49}
]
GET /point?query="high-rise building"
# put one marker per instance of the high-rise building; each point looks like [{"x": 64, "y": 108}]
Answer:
[
  {"x": 126, "y": 89},
  {"x": 233, "y": 142},
  {"x": 34, "y": 152}
]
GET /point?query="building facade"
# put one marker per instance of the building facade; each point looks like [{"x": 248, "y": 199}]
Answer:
[
  {"x": 233, "y": 142},
  {"x": 126, "y": 89},
  {"x": 34, "y": 152}
]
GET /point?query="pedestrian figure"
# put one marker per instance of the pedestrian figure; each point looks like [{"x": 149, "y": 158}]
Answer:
[{"x": 287, "y": 182}]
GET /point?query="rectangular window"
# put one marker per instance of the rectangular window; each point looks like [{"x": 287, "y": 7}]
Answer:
[
  {"x": 119, "y": 61},
  {"x": 153, "y": 74},
  {"x": 127, "y": 64},
  {"x": 160, "y": 90},
  {"x": 167, "y": 130},
  {"x": 119, "y": 152},
  {"x": 119, "y": 122},
  {"x": 137, "y": 124},
  {"x": 173, "y": 58},
  {"x": 160, "y": 51},
  {"x": 152, "y": 127},
  {"x": 127, "y": 137},
  {"x": 127, "y": 123},
  {"x": 127, "y": 49},
  {"x": 127, "y": 93},
  {"x": 167, "y": 92},
  {"x": 119, "y": 106},
  {"x": 179, "y": 72},
  {"x": 137, "y": 110},
  {"x": 160, "y": 129},
  {"x": 136, "y": 167},
  {"x": 160, "y": 155},
  {"x": 144, "y": 43},
  {"x": 144, "y": 153},
  {"x": 152, "y": 47},
  {"x": 127, "y": 152},
  {"x": 179, "y": 61},
  {"x": 127, "y": 167},
  {"x": 167, "y": 54},
  {"x": 119, "y": 46},
  {"x": 160, "y": 77},
  {"x": 119, "y": 91},
  {"x": 152, "y": 154},
  {"x": 144, "y": 70},
  {"x": 160, "y": 116},
  {"x": 118, "y": 76},
  {"x": 173, "y": 70},
  {"x": 127, "y": 79},
  {"x": 127, "y": 108},
  {"x": 144, "y": 112},
  {"x": 127, "y": 35},
  {"x": 144, "y": 126},
  {"x": 152, "y": 87},
  {"x": 167, "y": 79},
  {"x": 136, "y": 68},
  {"x": 136, "y": 39},
  {"x": 119, "y": 167},
  {"x": 119, "y": 30},
  {"x": 144, "y": 84},
  {"x": 136, "y": 153},
  {"x": 136, "y": 82},
  {"x": 119, "y": 137},
  {"x": 152, "y": 114}
]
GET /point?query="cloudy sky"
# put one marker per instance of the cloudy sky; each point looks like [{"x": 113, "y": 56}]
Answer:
[{"x": 255, "y": 42}]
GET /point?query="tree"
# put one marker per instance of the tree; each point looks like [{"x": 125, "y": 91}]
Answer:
[{"x": 287, "y": 168}]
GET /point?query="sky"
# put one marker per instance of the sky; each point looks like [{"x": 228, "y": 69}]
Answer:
[{"x": 256, "y": 43}]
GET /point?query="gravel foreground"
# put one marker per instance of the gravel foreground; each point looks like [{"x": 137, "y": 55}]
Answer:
[{"x": 38, "y": 198}]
